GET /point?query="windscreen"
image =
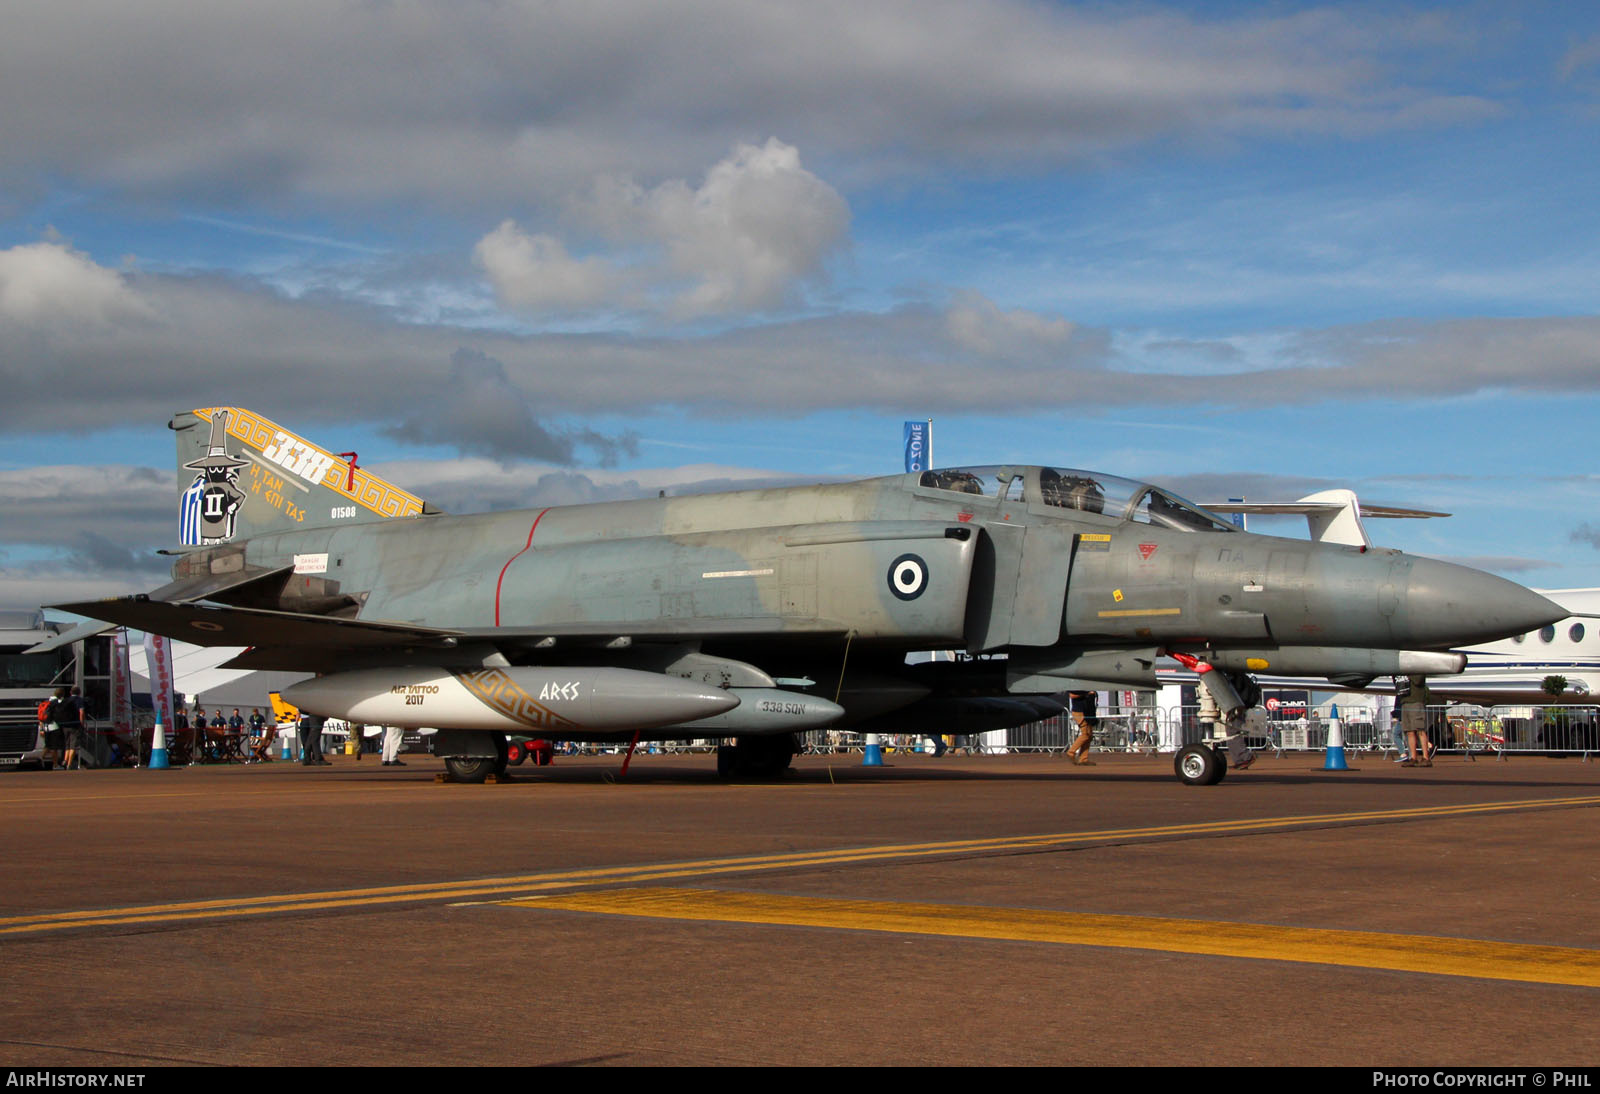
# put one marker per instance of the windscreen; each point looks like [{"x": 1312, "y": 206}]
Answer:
[
  {"x": 1170, "y": 511},
  {"x": 988, "y": 482},
  {"x": 1075, "y": 488}
]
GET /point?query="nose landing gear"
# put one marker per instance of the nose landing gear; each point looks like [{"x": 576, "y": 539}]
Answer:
[{"x": 1200, "y": 765}]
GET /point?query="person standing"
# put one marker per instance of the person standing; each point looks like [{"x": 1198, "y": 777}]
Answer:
[
  {"x": 311, "y": 740},
  {"x": 1398, "y": 736},
  {"x": 50, "y": 728},
  {"x": 393, "y": 738},
  {"x": 1084, "y": 705},
  {"x": 1414, "y": 720},
  {"x": 202, "y": 737},
  {"x": 69, "y": 715},
  {"x": 233, "y": 743},
  {"x": 180, "y": 746}
]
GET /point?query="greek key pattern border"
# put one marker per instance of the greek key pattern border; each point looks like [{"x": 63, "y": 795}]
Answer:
[
  {"x": 368, "y": 491},
  {"x": 497, "y": 691}
]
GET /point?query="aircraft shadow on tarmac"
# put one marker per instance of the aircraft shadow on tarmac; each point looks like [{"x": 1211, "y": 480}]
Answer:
[{"x": 1156, "y": 770}]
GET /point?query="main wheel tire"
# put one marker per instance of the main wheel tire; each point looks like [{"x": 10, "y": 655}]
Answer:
[
  {"x": 1197, "y": 765},
  {"x": 766, "y": 757},
  {"x": 469, "y": 769},
  {"x": 727, "y": 761},
  {"x": 1222, "y": 763}
]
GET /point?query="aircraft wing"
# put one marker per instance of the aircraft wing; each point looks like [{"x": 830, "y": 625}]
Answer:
[
  {"x": 305, "y": 657},
  {"x": 203, "y": 625},
  {"x": 297, "y": 641}
]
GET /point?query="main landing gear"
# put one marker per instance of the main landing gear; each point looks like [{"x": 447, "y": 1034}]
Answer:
[
  {"x": 477, "y": 769},
  {"x": 764, "y": 757}
]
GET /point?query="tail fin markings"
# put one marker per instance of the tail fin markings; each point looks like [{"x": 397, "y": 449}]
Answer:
[
  {"x": 282, "y": 711},
  {"x": 241, "y": 475}
]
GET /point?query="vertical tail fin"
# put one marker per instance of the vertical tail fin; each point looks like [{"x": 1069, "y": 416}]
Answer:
[
  {"x": 281, "y": 710},
  {"x": 241, "y": 475}
]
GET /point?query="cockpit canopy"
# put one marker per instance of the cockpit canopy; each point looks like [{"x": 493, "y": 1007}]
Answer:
[{"x": 1071, "y": 488}]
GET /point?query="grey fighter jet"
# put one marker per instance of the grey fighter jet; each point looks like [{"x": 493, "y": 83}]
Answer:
[{"x": 757, "y": 614}]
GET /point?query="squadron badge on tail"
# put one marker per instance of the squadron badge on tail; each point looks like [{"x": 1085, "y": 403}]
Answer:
[{"x": 211, "y": 503}]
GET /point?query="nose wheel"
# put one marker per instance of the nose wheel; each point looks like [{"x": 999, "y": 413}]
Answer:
[{"x": 1200, "y": 765}]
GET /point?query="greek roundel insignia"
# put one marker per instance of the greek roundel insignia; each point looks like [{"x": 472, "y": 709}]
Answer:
[{"x": 908, "y": 577}]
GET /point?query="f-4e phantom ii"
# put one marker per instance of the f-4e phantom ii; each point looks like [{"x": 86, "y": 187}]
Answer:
[{"x": 757, "y": 614}]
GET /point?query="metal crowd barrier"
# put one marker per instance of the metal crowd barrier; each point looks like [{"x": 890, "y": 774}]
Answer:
[
  {"x": 1500, "y": 731},
  {"x": 1567, "y": 729},
  {"x": 1560, "y": 729},
  {"x": 1474, "y": 731}
]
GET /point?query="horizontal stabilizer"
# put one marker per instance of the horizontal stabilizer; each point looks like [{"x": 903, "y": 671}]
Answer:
[
  {"x": 208, "y": 586},
  {"x": 71, "y": 635},
  {"x": 1302, "y": 508},
  {"x": 209, "y": 626},
  {"x": 1334, "y": 516}
]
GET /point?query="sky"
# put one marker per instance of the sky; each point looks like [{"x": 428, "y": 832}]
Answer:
[{"x": 521, "y": 253}]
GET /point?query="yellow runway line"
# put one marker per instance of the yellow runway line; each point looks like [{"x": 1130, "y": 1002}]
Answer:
[
  {"x": 1358, "y": 949},
  {"x": 495, "y": 888}
]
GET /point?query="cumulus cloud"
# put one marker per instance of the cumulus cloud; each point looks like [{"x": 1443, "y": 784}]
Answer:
[
  {"x": 535, "y": 272},
  {"x": 48, "y": 283},
  {"x": 477, "y": 104},
  {"x": 758, "y": 224},
  {"x": 982, "y": 327},
  {"x": 758, "y": 227},
  {"x": 478, "y": 410}
]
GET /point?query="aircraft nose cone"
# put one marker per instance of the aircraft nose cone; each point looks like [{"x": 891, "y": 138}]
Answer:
[{"x": 1455, "y": 605}]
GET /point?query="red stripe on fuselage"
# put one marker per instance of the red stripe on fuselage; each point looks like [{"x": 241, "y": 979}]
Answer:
[{"x": 501, "y": 580}]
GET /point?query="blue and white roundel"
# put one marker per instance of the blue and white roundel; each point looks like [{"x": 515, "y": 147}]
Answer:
[{"x": 908, "y": 577}]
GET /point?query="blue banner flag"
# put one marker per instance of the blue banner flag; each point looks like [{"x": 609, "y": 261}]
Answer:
[{"x": 916, "y": 442}]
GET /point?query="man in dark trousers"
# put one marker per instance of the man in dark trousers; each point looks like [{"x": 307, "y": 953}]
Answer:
[
  {"x": 311, "y": 740},
  {"x": 202, "y": 740},
  {"x": 182, "y": 735},
  {"x": 69, "y": 715}
]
